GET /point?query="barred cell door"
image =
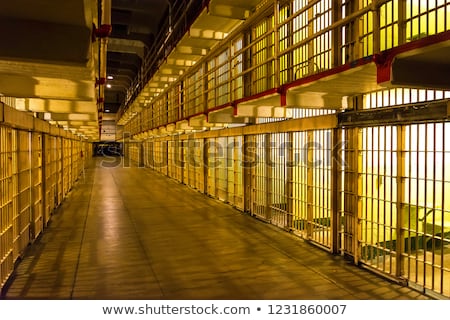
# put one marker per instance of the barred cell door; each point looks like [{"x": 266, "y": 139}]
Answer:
[
  {"x": 276, "y": 161},
  {"x": 8, "y": 189},
  {"x": 199, "y": 167},
  {"x": 37, "y": 202},
  {"x": 22, "y": 200},
  {"x": 425, "y": 208},
  {"x": 377, "y": 197},
  {"x": 235, "y": 172},
  {"x": 184, "y": 153},
  {"x": 258, "y": 176},
  {"x": 171, "y": 172},
  {"x": 212, "y": 150},
  {"x": 220, "y": 166},
  {"x": 310, "y": 185}
]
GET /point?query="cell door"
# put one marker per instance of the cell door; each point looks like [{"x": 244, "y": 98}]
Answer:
[
  {"x": 278, "y": 178},
  {"x": 310, "y": 187},
  {"x": 259, "y": 192},
  {"x": 377, "y": 194},
  {"x": 50, "y": 177},
  {"x": 6, "y": 205},
  {"x": 221, "y": 173},
  {"x": 199, "y": 168},
  {"x": 37, "y": 205},
  {"x": 171, "y": 172},
  {"x": 179, "y": 160},
  {"x": 23, "y": 198},
  {"x": 212, "y": 149},
  {"x": 425, "y": 209},
  {"x": 235, "y": 172},
  {"x": 184, "y": 151}
]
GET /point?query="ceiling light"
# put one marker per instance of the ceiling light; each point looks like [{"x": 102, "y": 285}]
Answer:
[
  {"x": 108, "y": 86},
  {"x": 107, "y": 110},
  {"x": 110, "y": 77}
]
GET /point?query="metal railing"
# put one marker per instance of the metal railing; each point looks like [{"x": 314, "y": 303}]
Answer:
[{"x": 183, "y": 15}]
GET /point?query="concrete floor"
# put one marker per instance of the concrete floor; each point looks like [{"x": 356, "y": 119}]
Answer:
[{"x": 131, "y": 233}]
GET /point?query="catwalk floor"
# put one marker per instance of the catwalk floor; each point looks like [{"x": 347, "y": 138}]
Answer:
[{"x": 131, "y": 233}]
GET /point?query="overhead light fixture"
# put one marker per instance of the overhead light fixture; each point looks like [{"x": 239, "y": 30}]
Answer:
[
  {"x": 108, "y": 86},
  {"x": 110, "y": 77},
  {"x": 107, "y": 110}
]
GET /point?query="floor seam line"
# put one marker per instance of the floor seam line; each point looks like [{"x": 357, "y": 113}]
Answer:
[
  {"x": 82, "y": 239},
  {"x": 143, "y": 248}
]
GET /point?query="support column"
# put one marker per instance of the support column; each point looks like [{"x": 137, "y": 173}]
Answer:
[
  {"x": 310, "y": 183},
  {"x": 249, "y": 164},
  {"x": 205, "y": 86},
  {"x": 357, "y": 188},
  {"x": 336, "y": 34},
  {"x": 400, "y": 206},
  {"x": 354, "y": 32},
  {"x": 351, "y": 202},
  {"x": 268, "y": 177},
  {"x": 311, "y": 48},
  {"x": 45, "y": 166},
  {"x": 336, "y": 164},
  {"x": 206, "y": 163},
  {"x": 376, "y": 27},
  {"x": 401, "y": 22},
  {"x": 276, "y": 44},
  {"x": 289, "y": 181},
  {"x": 141, "y": 154}
]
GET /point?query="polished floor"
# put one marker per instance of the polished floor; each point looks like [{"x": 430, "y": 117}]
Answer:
[{"x": 131, "y": 233}]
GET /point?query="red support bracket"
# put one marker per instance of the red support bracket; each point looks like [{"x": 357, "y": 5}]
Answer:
[
  {"x": 103, "y": 31},
  {"x": 283, "y": 93},
  {"x": 100, "y": 81},
  {"x": 383, "y": 62},
  {"x": 235, "y": 111}
]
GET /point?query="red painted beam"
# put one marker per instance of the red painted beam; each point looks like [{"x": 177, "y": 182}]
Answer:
[{"x": 384, "y": 59}]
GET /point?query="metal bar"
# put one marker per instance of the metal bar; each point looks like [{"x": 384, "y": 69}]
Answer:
[
  {"x": 444, "y": 148},
  {"x": 299, "y": 12},
  {"x": 383, "y": 180},
  {"x": 205, "y": 161},
  {"x": 322, "y": 191},
  {"x": 376, "y": 25},
  {"x": 433, "y": 195},
  {"x": 392, "y": 228},
  {"x": 336, "y": 34},
  {"x": 309, "y": 185},
  {"x": 268, "y": 177},
  {"x": 276, "y": 43},
  {"x": 357, "y": 212},
  {"x": 417, "y": 230},
  {"x": 248, "y": 168},
  {"x": 366, "y": 174},
  {"x": 376, "y": 135},
  {"x": 400, "y": 200},
  {"x": 425, "y": 205},
  {"x": 290, "y": 181},
  {"x": 334, "y": 186}
]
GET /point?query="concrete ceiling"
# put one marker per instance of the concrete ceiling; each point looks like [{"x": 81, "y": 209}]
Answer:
[
  {"x": 46, "y": 59},
  {"x": 49, "y": 58},
  {"x": 49, "y": 61}
]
